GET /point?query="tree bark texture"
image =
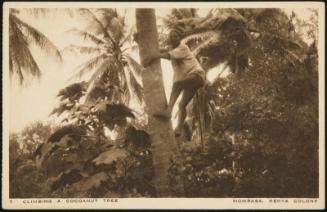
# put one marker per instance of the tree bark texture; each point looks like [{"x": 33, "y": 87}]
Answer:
[{"x": 163, "y": 143}]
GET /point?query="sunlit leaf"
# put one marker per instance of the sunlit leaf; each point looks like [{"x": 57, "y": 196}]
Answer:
[
  {"x": 110, "y": 156},
  {"x": 73, "y": 92},
  {"x": 92, "y": 182}
]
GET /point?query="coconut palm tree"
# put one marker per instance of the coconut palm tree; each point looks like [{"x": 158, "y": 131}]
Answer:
[
  {"x": 114, "y": 71},
  {"x": 21, "y": 37}
]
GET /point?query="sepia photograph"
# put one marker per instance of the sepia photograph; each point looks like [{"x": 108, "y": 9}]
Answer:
[{"x": 157, "y": 105}]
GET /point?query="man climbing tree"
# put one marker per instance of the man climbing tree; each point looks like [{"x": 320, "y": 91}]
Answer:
[{"x": 188, "y": 77}]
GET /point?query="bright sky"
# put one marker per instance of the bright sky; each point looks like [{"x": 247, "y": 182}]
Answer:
[{"x": 36, "y": 101}]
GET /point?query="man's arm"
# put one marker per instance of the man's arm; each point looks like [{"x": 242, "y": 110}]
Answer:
[
  {"x": 149, "y": 60},
  {"x": 178, "y": 53}
]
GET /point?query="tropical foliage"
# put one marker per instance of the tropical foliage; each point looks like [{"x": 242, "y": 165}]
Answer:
[
  {"x": 56, "y": 169},
  {"x": 21, "y": 37},
  {"x": 114, "y": 71},
  {"x": 264, "y": 126},
  {"x": 260, "y": 123}
]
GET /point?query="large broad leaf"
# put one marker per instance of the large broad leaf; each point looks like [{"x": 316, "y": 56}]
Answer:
[
  {"x": 42, "y": 152},
  {"x": 101, "y": 107},
  {"x": 73, "y": 92},
  {"x": 60, "y": 160},
  {"x": 137, "y": 138},
  {"x": 113, "y": 114},
  {"x": 65, "y": 141},
  {"x": 66, "y": 178},
  {"x": 74, "y": 132},
  {"x": 61, "y": 150},
  {"x": 43, "y": 149},
  {"x": 117, "y": 110},
  {"x": 26, "y": 167},
  {"x": 62, "y": 108},
  {"x": 91, "y": 182},
  {"x": 110, "y": 156}
]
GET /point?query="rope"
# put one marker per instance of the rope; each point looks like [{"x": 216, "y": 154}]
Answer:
[{"x": 200, "y": 124}]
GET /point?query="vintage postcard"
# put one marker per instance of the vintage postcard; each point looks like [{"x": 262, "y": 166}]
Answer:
[{"x": 157, "y": 105}]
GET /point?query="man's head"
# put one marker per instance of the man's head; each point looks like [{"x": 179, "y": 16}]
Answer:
[{"x": 175, "y": 36}]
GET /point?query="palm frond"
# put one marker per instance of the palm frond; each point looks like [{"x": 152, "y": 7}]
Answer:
[
  {"x": 43, "y": 12},
  {"x": 134, "y": 86},
  {"x": 286, "y": 42},
  {"x": 11, "y": 62},
  {"x": 15, "y": 41},
  {"x": 106, "y": 15},
  {"x": 100, "y": 70},
  {"x": 126, "y": 93},
  {"x": 38, "y": 38},
  {"x": 112, "y": 22},
  {"x": 128, "y": 37},
  {"x": 89, "y": 13},
  {"x": 96, "y": 78},
  {"x": 37, "y": 12},
  {"x": 87, "y": 36},
  {"x": 82, "y": 49},
  {"x": 21, "y": 58},
  {"x": 89, "y": 66},
  {"x": 136, "y": 69},
  {"x": 117, "y": 29}
]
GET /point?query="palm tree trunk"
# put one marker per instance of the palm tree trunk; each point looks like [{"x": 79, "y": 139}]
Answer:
[{"x": 164, "y": 146}]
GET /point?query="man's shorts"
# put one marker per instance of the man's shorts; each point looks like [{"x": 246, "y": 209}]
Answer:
[{"x": 191, "y": 81}]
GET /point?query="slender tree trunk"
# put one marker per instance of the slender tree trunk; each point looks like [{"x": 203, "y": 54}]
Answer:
[{"x": 163, "y": 143}]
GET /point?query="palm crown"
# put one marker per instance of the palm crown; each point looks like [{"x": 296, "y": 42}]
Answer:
[{"x": 115, "y": 74}]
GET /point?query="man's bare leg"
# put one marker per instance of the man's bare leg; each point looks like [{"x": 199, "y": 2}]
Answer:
[
  {"x": 194, "y": 82},
  {"x": 190, "y": 85},
  {"x": 176, "y": 91},
  {"x": 186, "y": 98}
]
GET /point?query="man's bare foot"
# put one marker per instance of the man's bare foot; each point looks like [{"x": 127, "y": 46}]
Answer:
[
  {"x": 163, "y": 114},
  {"x": 177, "y": 133}
]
